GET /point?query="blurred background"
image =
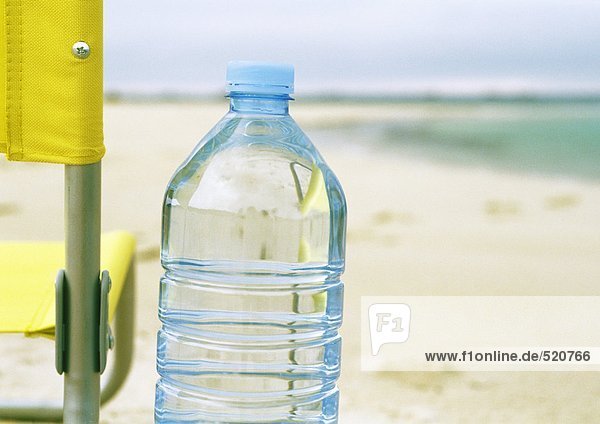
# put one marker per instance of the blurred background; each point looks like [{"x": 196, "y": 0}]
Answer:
[
  {"x": 467, "y": 138},
  {"x": 504, "y": 71},
  {"x": 351, "y": 47}
]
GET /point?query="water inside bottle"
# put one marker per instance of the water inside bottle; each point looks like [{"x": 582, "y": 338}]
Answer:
[{"x": 251, "y": 298}]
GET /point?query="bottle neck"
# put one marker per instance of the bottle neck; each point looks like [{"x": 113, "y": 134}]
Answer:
[{"x": 259, "y": 103}]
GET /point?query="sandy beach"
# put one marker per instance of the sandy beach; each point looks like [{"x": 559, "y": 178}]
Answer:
[{"x": 415, "y": 228}]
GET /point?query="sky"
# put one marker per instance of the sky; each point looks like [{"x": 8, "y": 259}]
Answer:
[{"x": 357, "y": 46}]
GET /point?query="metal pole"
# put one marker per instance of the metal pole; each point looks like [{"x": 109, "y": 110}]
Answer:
[{"x": 82, "y": 237}]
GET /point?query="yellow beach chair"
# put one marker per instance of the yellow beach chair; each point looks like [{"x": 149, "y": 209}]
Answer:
[{"x": 51, "y": 111}]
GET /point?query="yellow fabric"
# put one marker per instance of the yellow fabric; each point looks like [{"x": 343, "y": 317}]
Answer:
[
  {"x": 51, "y": 101},
  {"x": 2, "y": 78},
  {"x": 316, "y": 195},
  {"x": 315, "y": 199},
  {"x": 28, "y": 272}
]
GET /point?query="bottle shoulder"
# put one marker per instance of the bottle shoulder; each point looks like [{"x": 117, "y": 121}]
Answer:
[
  {"x": 255, "y": 189},
  {"x": 243, "y": 140}
]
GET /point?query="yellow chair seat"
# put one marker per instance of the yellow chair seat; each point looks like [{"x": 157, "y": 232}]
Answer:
[{"x": 27, "y": 275}]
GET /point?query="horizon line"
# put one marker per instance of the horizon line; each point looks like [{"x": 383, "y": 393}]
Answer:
[{"x": 522, "y": 96}]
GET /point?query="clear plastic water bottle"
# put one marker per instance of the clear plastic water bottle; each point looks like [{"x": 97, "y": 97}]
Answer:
[{"x": 253, "y": 248}]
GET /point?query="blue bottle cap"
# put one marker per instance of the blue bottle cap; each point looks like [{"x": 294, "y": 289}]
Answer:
[{"x": 260, "y": 77}]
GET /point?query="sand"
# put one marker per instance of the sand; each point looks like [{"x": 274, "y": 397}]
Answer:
[{"x": 415, "y": 228}]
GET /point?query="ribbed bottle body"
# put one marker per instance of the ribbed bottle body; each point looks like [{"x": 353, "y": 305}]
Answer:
[{"x": 251, "y": 298}]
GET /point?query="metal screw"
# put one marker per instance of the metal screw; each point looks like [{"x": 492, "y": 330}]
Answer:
[{"x": 81, "y": 50}]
